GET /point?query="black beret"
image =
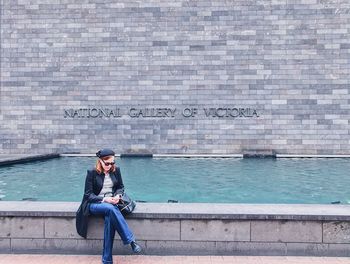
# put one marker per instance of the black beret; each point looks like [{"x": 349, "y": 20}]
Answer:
[{"x": 104, "y": 153}]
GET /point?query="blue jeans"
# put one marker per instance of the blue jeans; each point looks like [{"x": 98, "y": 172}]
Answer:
[{"x": 114, "y": 220}]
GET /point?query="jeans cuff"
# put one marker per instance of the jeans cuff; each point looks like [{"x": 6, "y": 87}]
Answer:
[{"x": 128, "y": 241}]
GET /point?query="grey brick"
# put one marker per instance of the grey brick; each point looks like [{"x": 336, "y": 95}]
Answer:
[{"x": 272, "y": 57}]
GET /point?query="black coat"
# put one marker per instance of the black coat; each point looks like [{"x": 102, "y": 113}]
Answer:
[{"x": 93, "y": 186}]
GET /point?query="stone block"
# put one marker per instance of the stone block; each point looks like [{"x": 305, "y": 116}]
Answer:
[
  {"x": 5, "y": 227},
  {"x": 251, "y": 248},
  {"x": 215, "y": 230},
  {"x": 27, "y": 227},
  {"x": 336, "y": 232},
  {"x": 307, "y": 249},
  {"x": 5, "y": 245},
  {"x": 180, "y": 248},
  {"x": 95, "y": 229},
  {"x": 146, "y": 229},
  {"x": 60, "y": 227},
  {"x": 27, "y": 245},
  {"x": 286, "y": 231},
  {"x": 66, "y": 246},
  {"x": 339, "y": 250}
]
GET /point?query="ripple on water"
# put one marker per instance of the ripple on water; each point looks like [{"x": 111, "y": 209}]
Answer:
[{"x": 189, "y": 180}]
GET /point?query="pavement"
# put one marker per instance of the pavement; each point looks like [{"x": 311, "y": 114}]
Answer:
[{"x": 94, "y": 259}]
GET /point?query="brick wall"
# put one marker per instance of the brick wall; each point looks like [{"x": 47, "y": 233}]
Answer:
[{"x": 287, "y": 59}]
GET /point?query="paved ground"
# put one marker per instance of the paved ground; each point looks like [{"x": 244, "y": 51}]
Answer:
[{"x": 74, "y": 259}]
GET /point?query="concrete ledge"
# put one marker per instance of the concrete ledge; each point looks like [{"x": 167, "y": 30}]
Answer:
[
  {"x": 237, "y": 155},
  {"x": 302, "y": 212},
  {"x": 160, "y": 155},
  {"x": 286, "y": 231},
  {"x": 190, "y": 229},
  {"x": 6, "y": 160},
  {"x": 197, "y": 156},
  {"x": 310, "y": 156}
]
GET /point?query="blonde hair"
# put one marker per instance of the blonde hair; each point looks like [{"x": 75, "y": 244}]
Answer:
[{"x": 99, "y": 168}]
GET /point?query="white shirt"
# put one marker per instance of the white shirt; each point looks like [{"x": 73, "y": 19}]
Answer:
[{"x": 107, "y": 185}]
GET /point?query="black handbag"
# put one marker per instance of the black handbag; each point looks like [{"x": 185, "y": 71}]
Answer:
[{"x": 125, "y": 204}]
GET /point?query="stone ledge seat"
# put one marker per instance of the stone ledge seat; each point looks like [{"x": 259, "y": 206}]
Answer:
[
  {"x": 183, "y": 229},
  {"x": 309, "y": 212}
]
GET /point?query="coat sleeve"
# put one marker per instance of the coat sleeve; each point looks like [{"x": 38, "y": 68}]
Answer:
[
  {"x": 120, "y": 185},
  {"x": 89, "y": 191}
]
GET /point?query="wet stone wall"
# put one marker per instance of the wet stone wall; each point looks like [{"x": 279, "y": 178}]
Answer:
[{"x": 182, "y": 77}]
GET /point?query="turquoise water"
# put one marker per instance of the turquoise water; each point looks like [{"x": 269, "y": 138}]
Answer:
[{"x": 209, "y": 180}]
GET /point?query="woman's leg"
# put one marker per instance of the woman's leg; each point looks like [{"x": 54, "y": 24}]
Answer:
[
  {"x": 121, "y": 226},
  {"x": 108, "y": 238},
  {"x": 106, "y": 210}
]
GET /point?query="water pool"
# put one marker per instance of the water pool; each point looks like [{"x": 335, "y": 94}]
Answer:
[{"x": 208, "y": 180}]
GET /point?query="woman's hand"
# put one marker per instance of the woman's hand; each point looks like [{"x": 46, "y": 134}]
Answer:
[
  {"x": 117, "y": 197},
  {"x": 111, "y": 200}
]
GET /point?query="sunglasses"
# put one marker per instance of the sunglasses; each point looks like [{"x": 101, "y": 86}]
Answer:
[{"x": 108, "y": 163}]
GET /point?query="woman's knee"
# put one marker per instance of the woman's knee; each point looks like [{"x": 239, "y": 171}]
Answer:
[
  {"x": 112, "y": 210},
  {"x": 101, "y": 208},
  {"x": 108, "y": 207}
]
